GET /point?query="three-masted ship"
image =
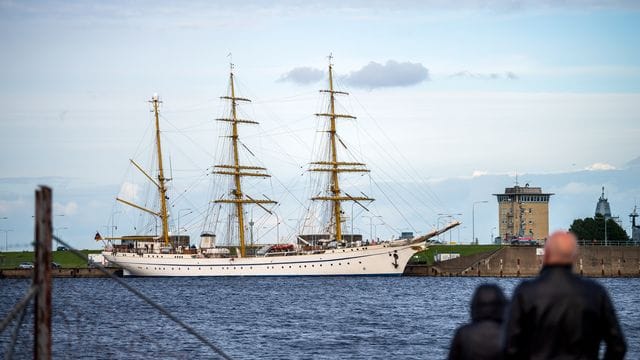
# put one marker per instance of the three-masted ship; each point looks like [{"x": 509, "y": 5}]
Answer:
[{"x": 330, "y": 252}]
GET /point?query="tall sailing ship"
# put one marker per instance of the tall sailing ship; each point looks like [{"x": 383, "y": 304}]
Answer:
[{"x": 329, "y": 252}]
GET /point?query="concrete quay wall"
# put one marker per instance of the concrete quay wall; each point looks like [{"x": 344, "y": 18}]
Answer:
[
  {"x": 515, "y": 261},
  {"x": 59, "y": 273}
]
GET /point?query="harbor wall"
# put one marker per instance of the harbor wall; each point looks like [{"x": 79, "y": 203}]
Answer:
[
  {"x": 60, "y": 273},
  {"x": 515, "y": 261}
]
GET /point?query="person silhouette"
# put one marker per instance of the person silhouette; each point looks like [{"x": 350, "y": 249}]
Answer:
[
  {"x": 560, "y": 315},
  {"x": 480, "y": 339}
]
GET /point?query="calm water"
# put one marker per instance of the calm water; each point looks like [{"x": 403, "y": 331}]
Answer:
[{"x": 272, "y": 318}]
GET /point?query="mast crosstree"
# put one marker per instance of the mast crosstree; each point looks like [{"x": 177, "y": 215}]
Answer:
[
  {"x": 333, "y": 166},
  {"x": 236, "y": 170}
]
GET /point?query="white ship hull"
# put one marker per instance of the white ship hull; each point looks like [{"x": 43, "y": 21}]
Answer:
[{"x": 365, "y": 260}]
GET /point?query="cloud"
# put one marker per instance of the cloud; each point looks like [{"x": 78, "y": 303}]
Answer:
[
  {"x": 600, "y": 167},
  {"x": 129, "y": 191},
  {"x": 478, "y": 173},
  {"x": 509, "y": 75},
  {"x": 575, "y": 188},
  {"x": 393, "y": 73},
  {"x": 67, "y": 209},
  {"x": 634, "y": 163},
  {"x": 7, "y": 206},
  {"x": 302, "y": 75}
]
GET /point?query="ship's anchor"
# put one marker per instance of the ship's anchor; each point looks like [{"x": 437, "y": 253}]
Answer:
[{"x": 395, "y": 260}]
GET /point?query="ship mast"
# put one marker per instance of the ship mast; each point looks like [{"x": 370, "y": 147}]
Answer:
[
  {"x": 237, "y": 170},
  {"x": 162, "y": 189},
  {"x": 333, "y": 166},
  {"x": 161, "y": 182}
]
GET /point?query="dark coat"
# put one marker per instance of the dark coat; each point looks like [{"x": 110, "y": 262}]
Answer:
[
  {"x": 481, "y": 338},
  {"x": 560, "y": 315}
]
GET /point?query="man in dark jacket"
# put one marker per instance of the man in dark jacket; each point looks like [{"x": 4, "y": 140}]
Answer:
[
  {"x": 480, "y": 340},
  {"x": 560, "y": 315}
]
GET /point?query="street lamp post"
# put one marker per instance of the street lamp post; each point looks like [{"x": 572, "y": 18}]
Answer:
[
  {"x": 6, "y": 238},
  {"x": 440, "y": 216},
  {"x": 180, "y": 211},
  {"x": 605, "y": 230},
  {"x": 473, "y": 220},
  {"x": 371, "y": 217},
  {"x": 110, "y": 227},
  {"x": 6, "y": 233}
]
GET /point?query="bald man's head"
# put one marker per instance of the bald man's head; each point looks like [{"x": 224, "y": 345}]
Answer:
[{"x": 560, "y": 249}]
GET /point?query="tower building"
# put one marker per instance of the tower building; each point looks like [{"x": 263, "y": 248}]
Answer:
[{"x": 523, "y": 212}]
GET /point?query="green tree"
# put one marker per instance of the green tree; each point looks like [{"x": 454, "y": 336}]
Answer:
[{"x": 592, "y": 229}]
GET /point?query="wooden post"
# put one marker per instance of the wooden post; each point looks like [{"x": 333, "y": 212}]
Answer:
[{"x": 42, "y": 275}]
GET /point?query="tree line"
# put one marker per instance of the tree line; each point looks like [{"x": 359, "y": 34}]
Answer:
[{"x": 593, "y": 229}]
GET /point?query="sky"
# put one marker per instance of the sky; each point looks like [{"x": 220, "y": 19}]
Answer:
[{"x": 467, "y": 94}]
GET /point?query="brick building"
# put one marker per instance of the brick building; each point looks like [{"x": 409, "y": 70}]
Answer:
[{"x": 523, "y": 212}]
